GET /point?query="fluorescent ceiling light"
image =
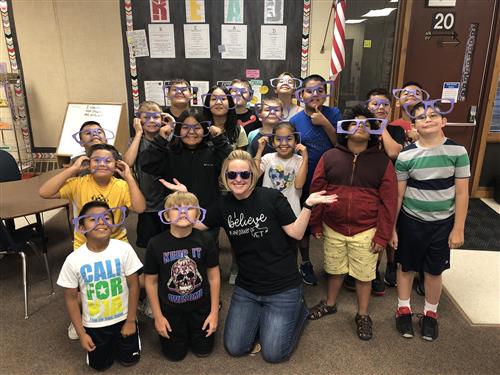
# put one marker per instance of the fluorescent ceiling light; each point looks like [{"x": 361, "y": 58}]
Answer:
[
  {"x": 393, "y": 1},
  {"x": 355, "y": 21},
  {"x": 379, "y": 12}
]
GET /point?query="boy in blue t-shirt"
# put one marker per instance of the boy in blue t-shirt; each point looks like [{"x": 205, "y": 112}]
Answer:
[{"x": 316, "y": 125}]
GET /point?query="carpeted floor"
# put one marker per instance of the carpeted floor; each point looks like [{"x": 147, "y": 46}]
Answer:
[
  {"x": 482, "y": 227},
  {"x": 40, "y": 345}
]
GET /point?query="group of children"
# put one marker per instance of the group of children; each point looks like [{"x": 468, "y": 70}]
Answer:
[{"x": 400, "y": 185}]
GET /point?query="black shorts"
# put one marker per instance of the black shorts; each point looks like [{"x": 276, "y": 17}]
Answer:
[
  {"x": 110, "y": 344},
  {"x": 423, "y": 245},
  {"x": 148, "y": 226},
  {"x": 186, "y": 333}
]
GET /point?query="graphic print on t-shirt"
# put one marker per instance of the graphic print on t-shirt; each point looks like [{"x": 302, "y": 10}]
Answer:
[
  {"x": 185, "y": 279},
  {"x": 103, "y": 287},
  {"x": 100, "y": 198},
  {"x": 280, "y": 177},
  {"x": 240, "y": 225}
]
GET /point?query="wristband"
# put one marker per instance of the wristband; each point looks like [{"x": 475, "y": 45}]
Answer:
[{"x": 305, "y": 205}]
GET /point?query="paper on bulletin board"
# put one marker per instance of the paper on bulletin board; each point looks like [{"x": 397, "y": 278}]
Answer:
[
  {"x": 153, "y": 90},
  {"x": 234, "y": 40},
  {"x": 197, "y": 41},
  {"x": 137, "y": 43},
  {"x": 257, "y": 90},
  {"x": 195, "y": 11},
  {"x": 450, "y": 90},
  {"x": 273, "y": 11},
  {"x": 202, "y": 88},
  {"x": 233, "y": 11},
  {"x": 159, "y": 11},
  {"x": 162, "y": 40},
  {"x": 272, "y": 42}
]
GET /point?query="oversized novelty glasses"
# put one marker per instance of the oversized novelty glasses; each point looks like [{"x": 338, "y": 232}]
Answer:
[
  {"x": 441, "y": 106},
  {"x": 154, "y": 117},
  {"x": 91, "y": 134},
  {"x": 101, "y": 160},
  {"x": 376, "y": 103},
  {"x": 289, "y": 140},
  {"x": 290, "y": 82},
  {"x": 186, "y": 91},
  {"x": 417, "y": 93},
  {"x": 178, "y": 211},
  {"x": 214, "y": 99},
  {"x": 192, "y": 129},
  {"x": 105, "y": 217},
  {"x": 374, "y": 126},
  {"x": 315, "y": 92},
  {"x": 264, "y": 111},
  {"x": 244, "y": 175},
  {"x": 240, "y": 92}
]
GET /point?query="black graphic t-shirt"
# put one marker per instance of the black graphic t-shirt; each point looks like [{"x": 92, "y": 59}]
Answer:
[
  {"x": 266, "y": 257},
  {"x": 181, "y": 265},
  {"x": 249, "y": 121}
]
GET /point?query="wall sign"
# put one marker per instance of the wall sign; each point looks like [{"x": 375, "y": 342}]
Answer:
[{"x": 443, "y": 21}]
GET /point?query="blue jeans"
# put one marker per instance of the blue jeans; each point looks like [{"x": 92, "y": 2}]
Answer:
[{"x": 277, "y": 318}]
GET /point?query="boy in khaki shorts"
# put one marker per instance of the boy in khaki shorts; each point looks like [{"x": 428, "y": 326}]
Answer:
[{"x": 357, "y": 227}]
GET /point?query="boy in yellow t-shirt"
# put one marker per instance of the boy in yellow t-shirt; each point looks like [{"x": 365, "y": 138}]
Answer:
[{"x": 99, "y": 185}]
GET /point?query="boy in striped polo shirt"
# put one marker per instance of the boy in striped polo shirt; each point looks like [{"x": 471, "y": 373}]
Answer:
[{"x": 433, "y": 176}]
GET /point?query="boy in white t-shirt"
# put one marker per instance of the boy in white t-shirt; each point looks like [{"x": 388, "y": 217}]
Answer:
[
  {"x": 284, "y": 170},
  {"x": 103, "y": 272}
]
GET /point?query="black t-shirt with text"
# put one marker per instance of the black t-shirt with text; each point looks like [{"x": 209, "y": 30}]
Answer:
[
  {"x": 249, "y": 121},
  {"x": 266, "y": 256},
  {"x": 181, "y": 265}
]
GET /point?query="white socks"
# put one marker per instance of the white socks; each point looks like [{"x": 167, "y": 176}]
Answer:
[
  {"x": 430, "y": 307},
  {"x": 404, "y": 303}
]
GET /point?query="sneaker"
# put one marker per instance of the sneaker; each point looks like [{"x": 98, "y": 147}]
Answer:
[
  {"x": 307, "y": 272},
  {"x": 419, "y": 284},
  {"x": 403, "y": 322},
  {"x": 364, "y": 327},
  {"x": 378, "y": 286},
  {"x": 349, "y": 283},
  {"x": 429, "y": 326},
  {"x": 390, "y": 274},
  {"x": 72, "y": 332},
  {"x": 145, "y": 308}
]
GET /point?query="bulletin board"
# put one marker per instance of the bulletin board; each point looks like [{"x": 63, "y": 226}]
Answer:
[{"x": 138, "y": 15}]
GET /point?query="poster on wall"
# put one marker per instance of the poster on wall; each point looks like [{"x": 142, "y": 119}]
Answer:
[
  {"x": 137, "y": 43},
  {"x": 202, "y": 88},
  {"x": 273, "y": 11},
  {"x": 272, "y": 42},
  {"x": 234, "y": 40},
  {"x": 195, "y": 11},
  {"x": 159, "y": 11},
  {"x": 162, "y": 41},
  {"x": 153, "y": 91},
  {"x": 233, "y": 11},
  {"x": 197, "y": 41}
]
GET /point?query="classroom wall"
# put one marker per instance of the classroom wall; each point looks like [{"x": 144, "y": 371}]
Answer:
[
  {"x": 71, "y": 51},
  {"x": 319, "y": 63}
]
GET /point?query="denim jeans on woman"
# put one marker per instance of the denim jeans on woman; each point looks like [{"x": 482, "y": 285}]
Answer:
[{"x": 278, "y": 319}]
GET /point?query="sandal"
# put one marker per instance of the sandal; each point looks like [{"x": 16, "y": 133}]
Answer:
[{"x": 320, "y": 310}]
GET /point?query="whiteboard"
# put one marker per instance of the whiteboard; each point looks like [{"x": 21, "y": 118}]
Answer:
[{"x": 108, "y": 115}]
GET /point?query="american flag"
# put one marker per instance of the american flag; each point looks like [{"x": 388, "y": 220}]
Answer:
[{"x": 337, "y": 62}]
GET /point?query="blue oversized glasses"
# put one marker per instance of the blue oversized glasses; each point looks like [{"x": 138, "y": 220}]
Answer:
[
  {"x": 416, "y": 93},
  {"x": 293, "y": 83},
  {"x": 102, "y": 161},
  {"x": 374, "y": 126},
  {"x": 185, "y": 91},
  {"x": 179, "y": 210},
  {"x": 441, "y": 106},
  {"x": 317, "y": 91},
  {"x": 264, "y": 111},
  {"x": 92, "y": 135},
  {"x": 241, "y": 92},
  {"x": 210, "y": 100},
  {"x": 154, "y": 117},
  {"x": 187, "y": 129},
  {"x": 106, "y": 217},
  {"x": 289, "y": 140},
  {"x": 373, "y": 104}
]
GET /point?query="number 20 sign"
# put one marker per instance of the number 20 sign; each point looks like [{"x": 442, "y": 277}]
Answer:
[{"x": 443, "y": 21}]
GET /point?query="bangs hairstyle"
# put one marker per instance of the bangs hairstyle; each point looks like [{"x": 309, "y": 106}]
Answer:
[
  {"x": 231, "y": 126},
  {"x": 437, "y": 109},
  {"x": 358, "y": 110},
  {"x": 244, "y": 156},
  {"x": 270, "y": 101},
  {"x": 104, "y": 146},
  {"x": 287, "y": 125},
  {"x": 313, "y": 77},
  {"x": 89, "y": 123},
  {"x": 180, "y": 198},
  {"x": 176, "y": 143},
  {"x": 243, "y": 82},
  {"x": 149, "y": 106},
  {"x": 88, "y": 206},
  {"x": 379, "y": 92}
]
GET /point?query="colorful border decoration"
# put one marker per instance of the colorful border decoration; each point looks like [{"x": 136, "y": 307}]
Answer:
[
  {"x": 133, "y": 65},
  {"x": 18, "y": 87},
  {"x": 304, "y": 58}
]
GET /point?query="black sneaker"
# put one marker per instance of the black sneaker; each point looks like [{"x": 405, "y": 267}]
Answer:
[
  {"x": 307, "y": 272},
  {"x": 378, "y": 286},
  {"x": 403, "y": 322},
  {"x": 429, "y": 326},
  {"x": 349, "y": 283},
  {"x": 390, "y": 274},
  {"x": 364, "y": 327}
]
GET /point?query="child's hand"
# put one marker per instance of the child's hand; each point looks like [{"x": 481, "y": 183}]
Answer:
[
  {"x": 210, "y": 324},
  {"x": 87, "y": 343},
  {"x": 318, "y": 118},
  {"x": 167, "y": 119},
  {"x": 81, "y": 164},
  {"x": 162, "y": 326},
  {"x": 300, "y": 148},
  {"x": 128, "y": 329},
  {"x": 168, "y": 123},
  {"x": 215, "y": 131},
  {"x": 176, "y": 186},
  {"x": 376, "y": 248},
  {"x": 263, "y": 141},
  {"x": 412, "y": 135},
  {"x": 393, "y": 242},
  {"x": 138, "y": 127},
  {"x": 456, "y": 238},
  {"x": 320, "y": 197},
  {"x": 123, "y": 169}
]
